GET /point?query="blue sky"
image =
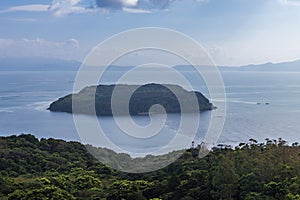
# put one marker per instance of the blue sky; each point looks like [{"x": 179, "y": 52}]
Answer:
[{"x": 234, "y": 32}]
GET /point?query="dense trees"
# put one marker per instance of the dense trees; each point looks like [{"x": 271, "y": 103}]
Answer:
[{"x": 55, "y": 169}]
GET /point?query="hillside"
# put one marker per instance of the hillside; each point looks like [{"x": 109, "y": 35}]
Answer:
[{"x": 55, "y": 169}]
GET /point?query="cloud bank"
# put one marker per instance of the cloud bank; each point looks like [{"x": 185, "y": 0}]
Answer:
[
  {"x": 61, "y": 7},
  {"x": 39, "y": 47}
]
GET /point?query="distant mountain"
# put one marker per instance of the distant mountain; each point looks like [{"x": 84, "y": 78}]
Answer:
[
  {"x": 55, "y": 64},
  {"x": 293, "y": 66},
  {"x": 37, "y": 64}
]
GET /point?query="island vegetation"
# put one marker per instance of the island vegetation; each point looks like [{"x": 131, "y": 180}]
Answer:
[
  {"x": 36, "y": 169},
  {"x": 97, "y": 100}
]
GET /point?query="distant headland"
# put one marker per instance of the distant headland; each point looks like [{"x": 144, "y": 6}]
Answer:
[{"x": 140, "y": 102}]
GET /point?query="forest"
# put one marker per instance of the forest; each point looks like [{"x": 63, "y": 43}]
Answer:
[{"x": 39, "y": 169}]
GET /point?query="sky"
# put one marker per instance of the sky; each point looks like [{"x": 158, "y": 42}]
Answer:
[{"x": 234, "y": 32}]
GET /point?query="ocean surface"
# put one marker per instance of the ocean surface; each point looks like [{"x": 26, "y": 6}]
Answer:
[{"x": 260, "y": 105}]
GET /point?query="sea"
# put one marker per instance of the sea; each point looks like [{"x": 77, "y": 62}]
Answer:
[{"x": 259, "y": 105}]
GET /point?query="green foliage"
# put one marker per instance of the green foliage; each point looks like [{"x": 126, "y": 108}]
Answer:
[
  {"x": 224, "y": 179},
  {"x": 55, "y": 169},
  {"x": 126, "y": 189}
]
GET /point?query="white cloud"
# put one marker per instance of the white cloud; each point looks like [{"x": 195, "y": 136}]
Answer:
[
  {"x": 27, "y": 8},
  {"x": 23, "y": 19},
  {"x": 72, "y": 43},
  {"x": 130, "y": 2},
  {"x": 69, "y": 49},
  {"x": 133, "y": 10},
  {"x": 290, "y": 2},
  {"x": 62, "y": 7}
]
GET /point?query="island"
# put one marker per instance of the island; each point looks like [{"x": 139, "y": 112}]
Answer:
[{"x": 143, "y": 98}]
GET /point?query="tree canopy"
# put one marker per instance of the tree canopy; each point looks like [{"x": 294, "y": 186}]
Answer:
[{"x": 55, "y": 169}]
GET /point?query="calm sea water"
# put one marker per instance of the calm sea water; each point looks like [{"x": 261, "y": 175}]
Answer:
[{"x": 25, "y": 95}]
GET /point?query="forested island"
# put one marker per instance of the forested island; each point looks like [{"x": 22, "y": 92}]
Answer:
[
  {"x": 35, "y": 169},
  {"x": 145, "y": 96}
]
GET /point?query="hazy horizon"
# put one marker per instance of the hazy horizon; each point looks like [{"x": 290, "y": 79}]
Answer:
[{"x": 52, "y": 60}]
